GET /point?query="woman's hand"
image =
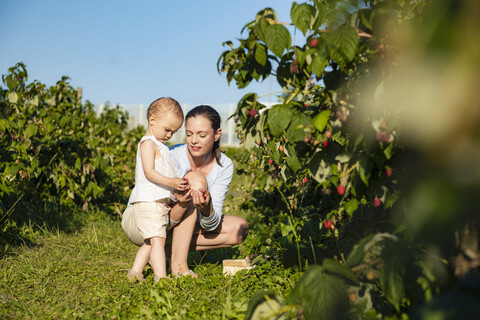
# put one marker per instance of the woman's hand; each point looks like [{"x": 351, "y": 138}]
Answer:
[
  {"x": 201, "y": 199},
  {"x": 180, "y": 184}
]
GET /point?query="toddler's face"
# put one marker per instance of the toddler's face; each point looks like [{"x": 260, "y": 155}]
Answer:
[{"x": 163, "y": 126}]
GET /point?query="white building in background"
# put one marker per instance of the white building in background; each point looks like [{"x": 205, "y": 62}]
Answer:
[{"x": 138, "y": 117}]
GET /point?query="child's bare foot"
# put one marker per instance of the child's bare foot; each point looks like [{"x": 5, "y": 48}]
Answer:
[{"x": 133, "y": 275}]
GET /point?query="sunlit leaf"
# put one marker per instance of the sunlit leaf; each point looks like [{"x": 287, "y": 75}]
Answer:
[
  {"x": 302, "y": 16},
  {"x": 343, "y": 45},
  {"x": 260, "y": 53},
  {"x": 277, "y": 38},
  {"x": 279, "y": 117},
  {"x": 30, "y": 131},
  {"x": 351, "y": 206},
  {"x": 321, "y": 120}
]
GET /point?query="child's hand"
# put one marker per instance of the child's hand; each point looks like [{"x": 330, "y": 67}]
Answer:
[
  {"x": 183, "y": 197},
  {"x": 180, "y": 184}
]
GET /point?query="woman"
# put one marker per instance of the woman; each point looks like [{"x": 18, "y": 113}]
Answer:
[{"x": 201, "y": 223}]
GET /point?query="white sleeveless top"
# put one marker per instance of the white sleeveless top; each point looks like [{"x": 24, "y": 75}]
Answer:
[{"x": 144, "y": 189}]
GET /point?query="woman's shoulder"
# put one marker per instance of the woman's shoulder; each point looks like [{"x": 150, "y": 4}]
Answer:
[
  {"x": 226, "y": 164},
  {"x": 225, "y": 160},
  {"x": 178, "y": 150},
  {"x": 178, "y": 147}
]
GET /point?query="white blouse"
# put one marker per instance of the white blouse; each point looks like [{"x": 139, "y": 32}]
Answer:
[
  {"x": 218, "y": 181},
  {"x": 144, "y": 189}
]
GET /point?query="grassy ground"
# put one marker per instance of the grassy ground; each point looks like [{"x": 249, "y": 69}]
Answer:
[{"x": 81, "y": 274}]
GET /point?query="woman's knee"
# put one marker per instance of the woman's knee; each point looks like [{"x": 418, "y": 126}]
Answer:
[
  {"x": 197, "y": 180},
  {"x": 241, "y": 230}
]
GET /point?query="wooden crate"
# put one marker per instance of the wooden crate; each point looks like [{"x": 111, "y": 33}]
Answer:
[{"x": 231, "y": 266}]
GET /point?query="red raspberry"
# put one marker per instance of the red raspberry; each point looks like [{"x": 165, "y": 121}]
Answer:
[
  {"x": 327, "y": 224},
  {"x": 389, "y": 172}
]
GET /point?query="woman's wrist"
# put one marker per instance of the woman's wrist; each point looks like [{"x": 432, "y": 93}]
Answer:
[{"x": 207, "y": 210}]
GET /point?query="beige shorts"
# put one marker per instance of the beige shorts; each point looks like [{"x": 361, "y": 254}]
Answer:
[{"x": 151, "y": 218}]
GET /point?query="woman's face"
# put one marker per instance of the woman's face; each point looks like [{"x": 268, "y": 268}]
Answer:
[{"x": 200, "y": 136}]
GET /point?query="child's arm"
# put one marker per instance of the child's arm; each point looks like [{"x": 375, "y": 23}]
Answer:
[{"x": 147, "y": 150}]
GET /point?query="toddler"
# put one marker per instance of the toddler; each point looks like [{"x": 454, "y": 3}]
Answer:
[{"x": 155, "y": 178}]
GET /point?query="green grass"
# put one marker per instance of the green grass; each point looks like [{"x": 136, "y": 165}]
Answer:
[{"x": 81, "y": 274}]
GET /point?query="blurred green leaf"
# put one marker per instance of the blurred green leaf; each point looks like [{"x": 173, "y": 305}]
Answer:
[
  {"x": 321, "y": 120},
  {"x": 30, "y": 131}
]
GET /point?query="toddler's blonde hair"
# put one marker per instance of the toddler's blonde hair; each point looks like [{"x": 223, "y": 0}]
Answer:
[{"x": 164, "y": 104}]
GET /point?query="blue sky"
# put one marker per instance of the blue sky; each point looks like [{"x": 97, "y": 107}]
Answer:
[{"x": 131, "y": 52}]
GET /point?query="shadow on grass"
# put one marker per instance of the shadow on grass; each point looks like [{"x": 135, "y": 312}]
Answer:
[
  {"x": 214, "y": 256},
  {"x": 22, "y": 225}
]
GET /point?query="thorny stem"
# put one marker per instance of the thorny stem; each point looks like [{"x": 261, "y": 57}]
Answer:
[{"x": 366, "y": 264}]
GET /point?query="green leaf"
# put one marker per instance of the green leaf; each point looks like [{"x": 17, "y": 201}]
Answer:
[
  {"x": 351, "y": 206},
  {"x": 277, "y": 39},
  {"x": 295, "y": 131},
  {"x": 11, "y": 83},
  {"x": 260, "y": 53},
  {"x": 63, "y": 121},
  {"x": 358, "y": 252},
  {"x": 4, "y": 124},
  {"x": 261, "y": 28},
  {"x": 388, "y": 151},
  {"x": 392, "y": 199},
  {"x": 263, "y": 305},
  {"x": 321, "y": 120},
  {"x": 344, "y": 157},
  {"x": 78, "y": 164},
  {"x": 391, "y": 280},
  {"x": 318, "y": 65},
  {"x": 13, "y": 97},
  {"x": 319, "y": 169},
  {"x": 14, "y": 169},
  {"x": 343, "y": 45},
  {"x": 322, "y": 295},
  {"x": 302, "y": 16},
  {"x": 364, "y": 168},
  {"x": 320, "y": 15},
  {"x": 301, "y": 55},
  {"x": 337, "y": 268},
  {"x": 278, "y": 118},
  {"x": 294, "y": 163},
  {"x": 30, "y": 131}
]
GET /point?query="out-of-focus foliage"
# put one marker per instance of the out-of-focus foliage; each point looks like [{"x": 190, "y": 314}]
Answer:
[{"x": 372, "y": 158}]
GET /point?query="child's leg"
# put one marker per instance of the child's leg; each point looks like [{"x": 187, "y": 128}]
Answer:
[
  {"x": 142, "y": 257},
  {"x": 141, "y": 260},
  {"x": 157, "y": 257}
]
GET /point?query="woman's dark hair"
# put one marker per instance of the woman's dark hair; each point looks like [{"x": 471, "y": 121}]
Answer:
[{"x": 215, "y": 120}]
